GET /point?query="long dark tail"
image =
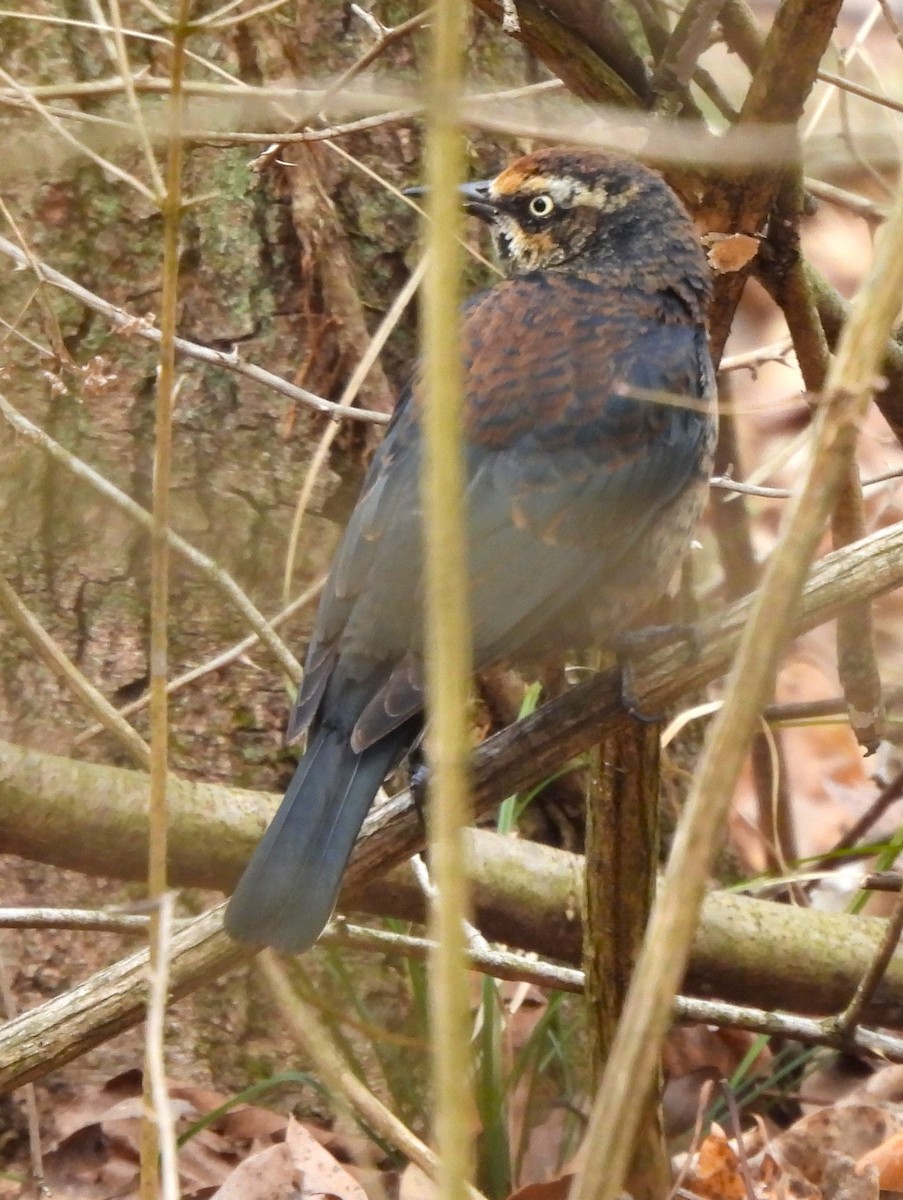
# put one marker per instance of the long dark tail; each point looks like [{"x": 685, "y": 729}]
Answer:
[{"x": 290, "y": 886}]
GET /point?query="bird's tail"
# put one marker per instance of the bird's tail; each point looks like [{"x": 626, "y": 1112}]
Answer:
[{"x": 290, "y": 886}]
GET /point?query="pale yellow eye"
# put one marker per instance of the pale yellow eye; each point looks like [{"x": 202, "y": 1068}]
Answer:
[{"x": 541, "y": 206}]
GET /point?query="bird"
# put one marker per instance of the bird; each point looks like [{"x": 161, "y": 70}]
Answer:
[{"x": 589, "y": 432}]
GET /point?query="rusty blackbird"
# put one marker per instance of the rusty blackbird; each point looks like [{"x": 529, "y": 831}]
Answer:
[{"x": 585, "y": 476}]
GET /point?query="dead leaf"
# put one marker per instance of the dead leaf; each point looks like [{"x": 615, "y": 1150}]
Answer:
[
  {"x": 731, "y": 251},
  {"x": 268, "y": 1175},
  {"x": 779, "y": 1182},
  {"x": 844, "y": 1179},
  {"x": 299, "y": 1164},
  {"x": 887, "y": 1159},
  {"x": 555, "y": 1189},
  {"x": 715, "y": 1171},
  {"x": 848, "y": 1129}
]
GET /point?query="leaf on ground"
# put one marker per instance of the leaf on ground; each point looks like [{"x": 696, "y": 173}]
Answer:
[
  {"x": 777, "y": 1181},
  {"x": 715, "y": 1172},
  {"x": 98, "y": 1154},
  {"x": 696, "y": 1055},
  {"x": 298, "y": 1165},
  {"x": 887, "y": 1161},
  {"x": 554, "y": 1189},
  {"x": 844, "y": 1129},
  {"x": 844, "y": 1179}
]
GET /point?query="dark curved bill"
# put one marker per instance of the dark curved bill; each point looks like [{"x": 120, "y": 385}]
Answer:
[{"x": 475, "y": 196}]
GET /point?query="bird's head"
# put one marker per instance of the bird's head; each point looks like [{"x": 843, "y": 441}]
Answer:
[{"x": 567, "y": 208}]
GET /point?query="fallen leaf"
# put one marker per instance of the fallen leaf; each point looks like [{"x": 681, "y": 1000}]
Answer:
[
  {"x": 887, "y": 1159},
  {"x": 715, "y": 1171},
  {"x": 850, "y": 1129},
  {"x": 554, "y": 1189},
  {"x": 297, "y": 1165}
]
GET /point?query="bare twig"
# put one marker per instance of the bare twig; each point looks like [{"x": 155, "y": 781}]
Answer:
[
  {"x": 228, "y": 361},
  {"x": 751, "y": 359},
  {"x": 857, "y": 89},
  {"x": 868, "y": 209},
  {"x": 447, "y": 627},
  {"x": 887, "y": 796},
  {"x": 305, "y": 1027},
  {"x": 728, "y": 484},
  {"x": 690, "y": 38},
  {"x": 157, "y": 1135},
  {"x": 121, "y": 59},
  {"x": 155, "y": 1059},
  {"x": 868, "y": 985},
  {"x": 213, "y": 664},
  {"x": 891, "y": 19},
  {"x": 43, "y": 644},
  {"x": 200, "y": 561},
  {"x": 386, "y": 38},
  {"x": 58, "y": 127},
  {"x": 88, "y": 920},
  {"x": 353, "y": 386}
]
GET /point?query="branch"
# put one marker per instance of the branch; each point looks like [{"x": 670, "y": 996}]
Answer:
[
  {"x": 221, "y": 824},
  {"x": 110, "y": 801},
  {"x": 130, "y": 325},
  {"x": 773, "y": 954}
]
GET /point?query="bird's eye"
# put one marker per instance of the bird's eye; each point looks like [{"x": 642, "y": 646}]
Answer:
[{"x": 541, "y": 206}]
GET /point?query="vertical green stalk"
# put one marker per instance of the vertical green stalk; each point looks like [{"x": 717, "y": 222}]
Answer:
[
  {"x": 171, "y": 210},
  {"x": 447, "y": 623}
]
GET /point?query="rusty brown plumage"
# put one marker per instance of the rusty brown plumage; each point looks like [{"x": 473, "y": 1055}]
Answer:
[{"x": 585, "y": 469}]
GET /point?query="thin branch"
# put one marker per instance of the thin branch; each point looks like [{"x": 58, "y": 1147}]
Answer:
[
  {"x": 352, "y": 387},
  {"x": 751, "y": 359},
  {"x": 857, "y": 89},
  {"x": 155, "y": 1059},
  {"x": 121, "y": 59},
  {"x": 728, "y": 484},
  {"x": 386, "y": 39},
  {"x": 213, "y": 664},
  {"x": 86, "y": 920},
  {"x": 77, "y": 143},
  {"x": 157, "y": 1141},
  {"x": 202, "y": 562},
  {"x": 447, "y": 631},
  {"x": 211, "y": 22},
  {"x": 52, "y": 330},
  {"x": 891, "y": 19},
  {"x": 306, "y": 1029},
  {"x": 888, "y": 795},
  {"x": 236, "y": 137},
  {"x": 141, "y": 327},
  {"x": 868, "y": 985},
  {"x": 874, "y": 213},
  {"x": 690, "y": 38},
  {"x": 62, "y": 666},
  {"x": 502, "y": 964}
]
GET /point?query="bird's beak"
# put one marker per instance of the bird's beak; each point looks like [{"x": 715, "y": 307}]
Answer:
[
  {"x": 476, "y": 200},
  {"x": 474, "y": 195}
]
